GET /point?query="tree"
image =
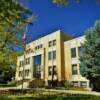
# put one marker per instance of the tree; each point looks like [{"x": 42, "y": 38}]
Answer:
[
  {"x": 63, "y": 2},
  {"x": 90, "y": 55},
  {"x": 66, "y": 2},
  {"x": 13, "y": 18}
]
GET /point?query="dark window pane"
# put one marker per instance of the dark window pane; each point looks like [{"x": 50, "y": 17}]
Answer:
[
  {"x": 79, "y": 50},
  {"x": 74, "y": 69},
  {"x": 73, "y": 52},
  {"x": 50, "y": 70},
  {"x": 54, "y": 42},
  {"x": 50, "y": 43},
  {"x": 54, "y": 54},
  {"x": 50, "y": 55}
]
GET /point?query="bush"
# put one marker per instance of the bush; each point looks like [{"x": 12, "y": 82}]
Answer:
[
  {"x": 12, "y": 83},
  {"x": 36, "y": 83},
  {"x": 67, "y": 85}
]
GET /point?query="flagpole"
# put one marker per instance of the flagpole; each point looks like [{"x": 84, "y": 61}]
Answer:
[{"x": 24, "y": 47}]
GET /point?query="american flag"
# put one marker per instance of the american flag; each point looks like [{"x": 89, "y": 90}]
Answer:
[{"x": 24, "y": 37}]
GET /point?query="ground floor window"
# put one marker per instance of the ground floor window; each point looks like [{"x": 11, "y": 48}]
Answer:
[
  {"x": 83, "y": 84},
  {"x": 75, "y": 83}
]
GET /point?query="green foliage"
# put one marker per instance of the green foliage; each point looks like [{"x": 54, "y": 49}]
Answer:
[
  {"x": 67, "y": 85},
  {"x": 90, "y": 53},
  {"x": 63, "y": 2},
  {"x": 36, "y": 83},
  {"x": 49, "y": 96},
  {"x": 13, "y": 18}
]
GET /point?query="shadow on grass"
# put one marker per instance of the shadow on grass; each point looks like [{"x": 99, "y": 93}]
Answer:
[{"x": 65, "y": 97}]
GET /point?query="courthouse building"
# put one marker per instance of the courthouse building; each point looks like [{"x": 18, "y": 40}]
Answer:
[{"x": 57, "y": 51}]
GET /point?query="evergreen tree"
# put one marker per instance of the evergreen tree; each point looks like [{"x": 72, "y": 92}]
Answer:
[{"x": 90, "y": 54}]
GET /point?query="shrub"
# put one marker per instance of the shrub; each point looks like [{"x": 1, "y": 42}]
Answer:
[
  {"x": 12, "y": 83},
  {"x": 36, "y": 83},
  {"x": 67, "y": 85}
]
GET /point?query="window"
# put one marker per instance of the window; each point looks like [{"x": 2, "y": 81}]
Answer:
[
  {"x": 75, "y": 83},
  {"x": 38, "y": 47},
  {"x": 50, "y": 43},
  {"x": 37, "y": 71},
  {"x": 79, "y": 50},
  {"x": 52, "y": 55},
  {"x": 27, "y": 72},
  {"x": 54, "y": 70},
  {"x": 20, "y": 74},
  {"x": 21, "y": 63},
  {"x": 41, "y": 46},
  {"x": 73, "y": 52},
  {"x": 54, "y": 42},
  {"x": 27, "y": 61},
  {"x": 83, "y": 84},
  {"x": 74, "y": 69},
  {"x": 49, "y": 55},
  {"x": 50, "y": 70}
]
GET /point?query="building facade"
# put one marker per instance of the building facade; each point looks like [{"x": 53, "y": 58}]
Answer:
[{"x": 52, "y": 57}]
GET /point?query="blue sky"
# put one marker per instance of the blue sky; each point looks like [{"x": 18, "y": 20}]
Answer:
[{"x": 74, "y": 19}]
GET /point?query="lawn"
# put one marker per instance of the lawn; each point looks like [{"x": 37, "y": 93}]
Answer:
[{"x": 49, "y": 96}]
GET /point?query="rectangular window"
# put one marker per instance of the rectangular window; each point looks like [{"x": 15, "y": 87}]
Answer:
[
  {"x": 21, "y": 63},
  {"x": 27, "y": 72},
  {"x": 74, "y": 69},
  {"x": 54, "y": 70},
  {"x": 41, "y": 46},
  {"x": 50, "y": 70},
  {"x": 73, "y": 52},
  {"x": 83, "y": 84},
  {"x": 50, "y": 43},
  {"x": 79, "y": 50},
  {"x": 54, "y": 42},
  {"x": 75, "y": 83},
  {"x": 27, "y": 61},
  {"x": 52, "y": 55},
  {"x": 49, "y": 55},
  {"x": 20, "y": 74}
]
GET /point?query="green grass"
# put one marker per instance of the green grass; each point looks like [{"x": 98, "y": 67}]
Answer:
[{"x": 49, "y": 96}]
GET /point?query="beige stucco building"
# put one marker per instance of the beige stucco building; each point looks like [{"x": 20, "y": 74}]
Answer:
[{"x": 54, "y": 56}]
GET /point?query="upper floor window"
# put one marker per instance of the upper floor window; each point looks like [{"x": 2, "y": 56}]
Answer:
[
  {"x": 52, "y": 55},
  {"x": 21, "y": 63},
  {"x": 20, "y": 74},
  {"x": 27, "y": 61},
  {"x": 52, "y": 43},
  {"x": 73, "y": 52},
  {"x": 79, "y": 50},
  {"x": 38, "y": 47},
  {"x": 27, "y": 72},
  {"x": 74, "y": 69}
]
